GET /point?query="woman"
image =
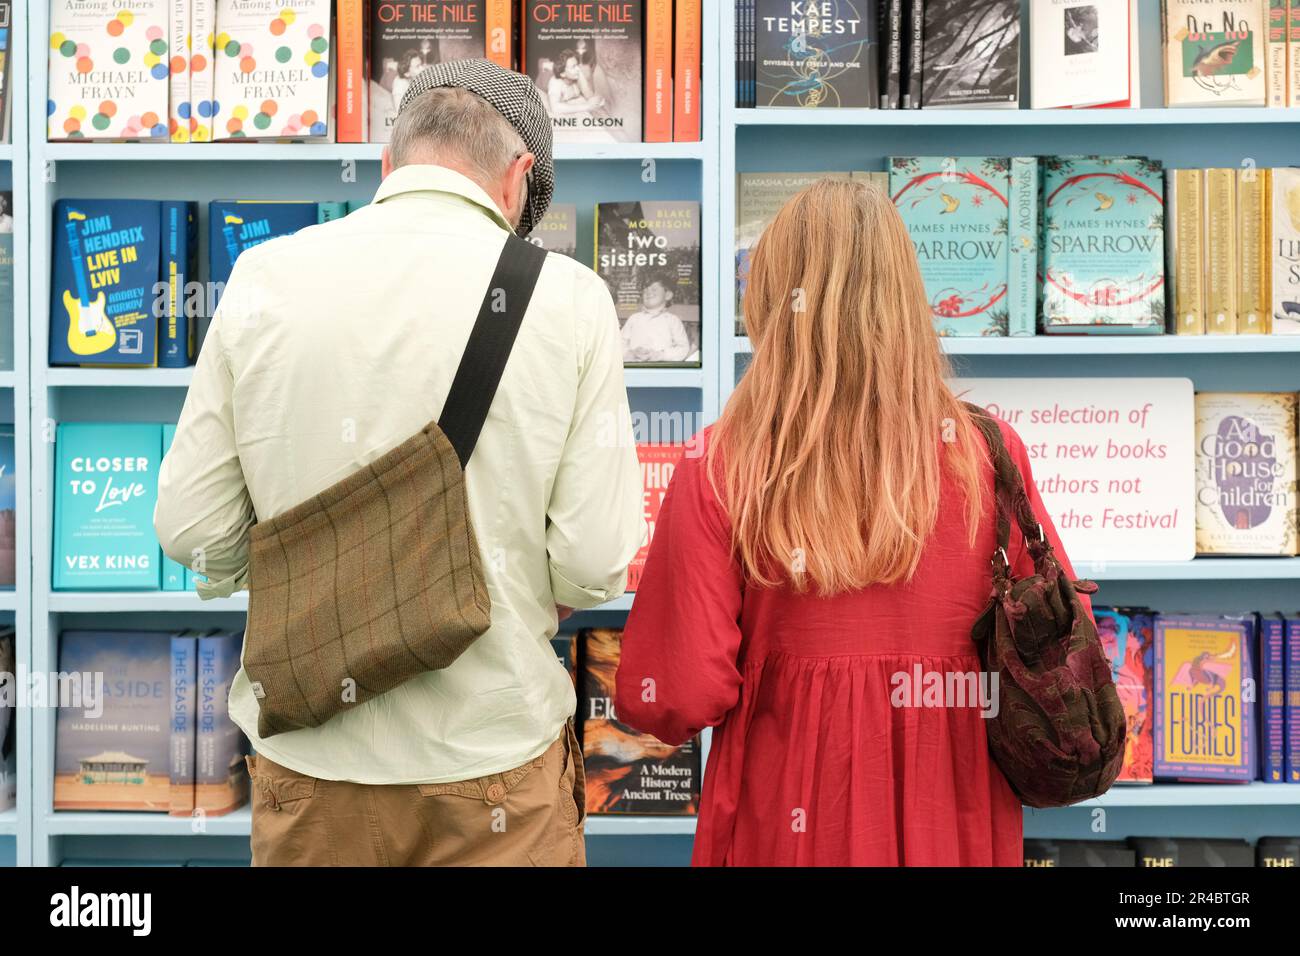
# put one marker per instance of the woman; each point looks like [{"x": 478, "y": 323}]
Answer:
[{"x": 826, "y": 544}]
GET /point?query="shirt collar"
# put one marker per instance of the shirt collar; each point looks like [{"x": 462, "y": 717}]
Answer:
[{"x": 439, "y": 179}]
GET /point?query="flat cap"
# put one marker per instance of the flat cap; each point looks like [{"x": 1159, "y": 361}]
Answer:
[{"x": 515, "y": 97}]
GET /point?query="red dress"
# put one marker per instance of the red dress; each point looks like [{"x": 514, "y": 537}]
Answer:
[{"x": 811, "y": 763}]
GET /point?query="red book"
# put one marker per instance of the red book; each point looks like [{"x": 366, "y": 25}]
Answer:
[
  {"x": 350, "y": 72},
  {"x": 686, "y": 73},
  {"x": 500, "y": 33},
  {"x": 658, "y": 462},
  {"x": 659, "y": 71}
]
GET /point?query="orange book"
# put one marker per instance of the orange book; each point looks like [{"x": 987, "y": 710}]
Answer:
[
  {"x": 658, "y": 71},
  {"x": 500, "y": 34},
  {"x": 686, "y": 75},
  {"x": 350, "y": 72}
]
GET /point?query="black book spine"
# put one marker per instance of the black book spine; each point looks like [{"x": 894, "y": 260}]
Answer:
[
  {"x": 891, "y": 91},
  {"x": 752, "y": 16},
  {"x": 915, "y": 56},
  {"x": 740, "y": 57}
]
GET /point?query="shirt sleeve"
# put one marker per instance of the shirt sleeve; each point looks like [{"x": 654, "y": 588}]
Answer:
[
  {"x": 677, "y": 672},
  {"x": 204, "y": 510},
  {"x": 595, "y": 523}
]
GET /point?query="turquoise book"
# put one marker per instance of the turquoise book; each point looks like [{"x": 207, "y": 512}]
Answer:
[
  {"x": 957, "y": 211},
  {"x": 184, "y": 696},
  {"x": 106, "y": 485},
  {"x": 220, "y": 775},
  {"x": 178, "y": 311},
  {"x": 8, "y": 510},
  {"x": 105, "y": 269},
  {"x": 327, "y": 211},
  {"x": 173, "y": 572},
  {"x": 1103, "y": 245},
  {"x": 236, "y": 225},
  {"x": 6, "y": 281},
  {"x": 1022, "y": 278}
]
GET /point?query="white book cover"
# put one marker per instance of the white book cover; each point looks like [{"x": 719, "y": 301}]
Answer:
[
  {"x": 178, "y": 96},
  {"x": 1215, "y": 52},
  {"x": 1080, "y": 53},
  {"x": 273, "y": 69},
  {"x": 108, "y": 70},
  {"x": 1286, "y": 251},
  {"x": 203, "y": 25}
]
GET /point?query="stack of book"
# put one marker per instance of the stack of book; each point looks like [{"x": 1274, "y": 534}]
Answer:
[{"x": 1161, "y": 852}]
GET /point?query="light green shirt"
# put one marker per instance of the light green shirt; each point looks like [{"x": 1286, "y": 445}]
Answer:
[{"x": 336, "y": 344}]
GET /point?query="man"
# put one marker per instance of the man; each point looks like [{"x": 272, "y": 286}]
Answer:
[
  {"x": 336, "y": 344},
  {"x": 655, "y": 334}
]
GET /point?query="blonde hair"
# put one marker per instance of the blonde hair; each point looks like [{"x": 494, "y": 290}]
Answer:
[{"x": 829, "y": 456}]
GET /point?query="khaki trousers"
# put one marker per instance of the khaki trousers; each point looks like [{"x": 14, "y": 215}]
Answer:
[{"x": 530, "y": 816}]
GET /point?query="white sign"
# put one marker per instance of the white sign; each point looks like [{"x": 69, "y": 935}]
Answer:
[{"x": 1113, "y": 458}]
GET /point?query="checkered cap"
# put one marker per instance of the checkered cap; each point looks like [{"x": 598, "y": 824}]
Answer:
[{"x": 516, "y": 98}]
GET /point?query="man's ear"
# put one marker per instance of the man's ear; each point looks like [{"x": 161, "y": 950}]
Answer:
[{"x": 516, "y": 185}]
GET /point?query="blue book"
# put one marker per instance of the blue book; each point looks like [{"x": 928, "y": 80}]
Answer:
[
  {"x": 1291, "y": 718},
  {"x": 236, "y": 225},
  {"x": 1272, "y": 698},
  {"x": 173, "y": 572},
  {"x": 220, "y": 775},
  {"x": 6, "y": 282},
  {"x": 106, "y": 485},
  {"x": 178, "y": 268},
  {"x": 102, "y": 307},
  {"x": 8, "y": 508},
  {"x": 1022, "y": 280},
  {"x": 184, "y": 696}
]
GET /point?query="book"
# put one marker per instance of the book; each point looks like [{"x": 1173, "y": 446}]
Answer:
[
  {"x": 585, "y": 57},
  {"x": 1128, "y": 638},
  {"x": 1284, "y": 229},
  {"x": 1164, "y": 852},
  {"x": 112, "y": 737},
  {"x": 1278, "y": 851},
  {"x": 408, "y": 35},
  {"x": 558, "y": 230},
  {"x": 6, "y": 63},
  {"x": 6, "y": 280},
  {"x": 816, "y": 56},
  {"x": 956, "y": 209},
  {"x": 1253, "y": 261},
  {"x": 178, "y": 65},
  {"x": 648, "y": 253},
  {"x": 106, "y": 485},
  {"x": 1134, "y": 99},
  {"x": 220, "y": 774},
  {"x": 1276, "y": 52},
  {"x": 1246, "y": 473},
  {"x": 1272, "y": 698},
  {"x": 628, "y": 771},
  {"x": 914, "y": 54},
  {"x": 351, "y": 111},
  {"x": 178, "y": 267},
  {"x": 971, "y": 54},
  {"x": 173, "y": 572},
  {"x": 891, "y": 73},
  {"x": 330, "y": 210},
  {"x": 1103, "y": 245},
  {"x": 184, "y": 696},
  {"x": 203, "y": 76},
  {"x": 1185, "y": 201},
  {"x": 8, "y": 511},
  {"x": 1214, "y": 52},
  {"x": 1022, "y": 248},
  {"x": 1221, "y": 243},
  {"x": 272, "y": 73},
  {"x": 102, "y": 305},
  {"x": 9, "y": 690},
  {"x": 1293, "y": 52},
  {"x": 658, "y": 462},
  {"x": 1291, "y": 717},
  {"x": 239, "y": 224},
  {"x": 688, "y": 42},
  {"x": 108, "y": 71},
  {"x": 1079, "y": 53},
  {"x": 1057, "y": 853},
  {"x": 659, "y": 91},
  {"x": 1204, "y": 721}
]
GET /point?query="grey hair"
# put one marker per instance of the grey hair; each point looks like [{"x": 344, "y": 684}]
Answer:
[{"x": 450, "y": 123}]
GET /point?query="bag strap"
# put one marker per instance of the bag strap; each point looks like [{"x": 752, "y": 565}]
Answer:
[
  {"x": 1009, "y": 484},
  {"x": 489, "y": 345}
]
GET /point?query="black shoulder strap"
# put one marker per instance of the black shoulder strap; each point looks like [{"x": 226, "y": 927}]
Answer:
[{"x": 490, "y": 342}]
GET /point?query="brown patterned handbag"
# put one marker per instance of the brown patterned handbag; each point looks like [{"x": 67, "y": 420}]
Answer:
[
  {"x": 377, "y": 579},
  {"x": 1058, "y": 735}
]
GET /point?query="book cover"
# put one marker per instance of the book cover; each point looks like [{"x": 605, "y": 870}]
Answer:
[
  {"x": 1293, "y": 52},
  {"x": 8, "y": 511},
  {"x": 1221, "y": 244},
  {"x": 1277, "y": 53},
  {"x": 688, "y": 41},
  {"x": 1278, "y": 851},
  {"x": 239, "y": 224},
  {"x": 1204, "y": 725},
  {"x": 648, "y": 253},
  {"x": 106, "y": 255},
  {"x": 1022, "y": 274},
  {"x": 220, "y": 774},
  {"x": 658, "y": 462},
  {"x": 1272, "y": 698},
  {"x": 1291, "y": 718},
  {"x": 351, "y": 111},
  {"x": 914, "y": 54},
  {"x": 108, "y": 70},
  {"x": 272, "y": 69},
  {"x": 1284, "y": 229},
  {"x": 1253, "y": 260},
  {"x": 585, "y": 57},
  {"x": 6, "y": 65},
  {"x": 330, "y": 210},
  {"x": 891, "y": 74},
  {"x": 957, "y": 212},
  {"x": 1103, "y": 245},
  {"x": 1214, "y": 52},
  {"x": 1246, "y": 473},
  {"x": 1128, "y": 638},
  {"x": 558, "y": 230},
  {"x": 106, "y": 485},
  {"x": 1059, "y": 853},
  {"x": 1079, "y": 53},
  {"x": 1185, "y": 198},
  {"x": 501, "y": 33},
  {"x": 659, "y": 71},
  {"x": 173, "y": 572},
  {"x": 1166, "y": 852},
  {"x": 178, "y": 267},
  {"x": 203, "y": 77},
  {"x": 184, "y": 696},
  {"x": 972, "y": 54},
  {"x": 6, "y": 280},
  {"x": 628, "y": 771},
  {"x": 112, "y": 738},
  {"x": 822, "y": 55},
  {"x": 408, "y": 35},
  {"x": 178, "y": 65}
]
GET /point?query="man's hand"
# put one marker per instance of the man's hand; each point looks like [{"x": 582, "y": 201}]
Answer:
[{"x": 562, "y": 612}]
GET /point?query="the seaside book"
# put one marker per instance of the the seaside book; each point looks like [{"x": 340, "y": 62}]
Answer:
[
  {"x": 183, "y": 700},
  {"x": 220, "y": 775}
]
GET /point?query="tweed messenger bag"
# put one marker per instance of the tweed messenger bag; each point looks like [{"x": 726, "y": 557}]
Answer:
[
  {"x": 1058, "y": 736},
  {"x": 377, "y": 579}
]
